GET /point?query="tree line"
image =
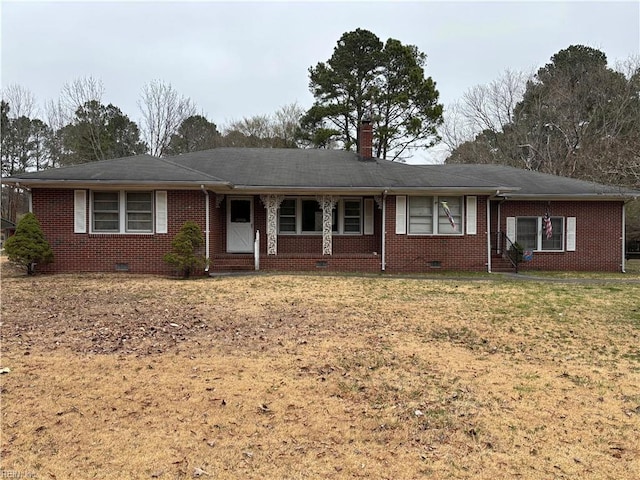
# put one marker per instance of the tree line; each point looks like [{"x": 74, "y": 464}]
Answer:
[
  {"x": 577, "y": 116},
  {"x": 80, "y": 127}
]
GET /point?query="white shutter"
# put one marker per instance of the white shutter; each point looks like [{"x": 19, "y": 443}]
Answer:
[
  {"x": 511, "y": 229},
  {"x": 472, "y": 204},
  {"x": 401, "y": 215},
  {"x": 79, "y": 211},
  {"x": 161, "y": 212},
  {"x": 571, "y": 234},
  {"x": 368, "y": 216}
]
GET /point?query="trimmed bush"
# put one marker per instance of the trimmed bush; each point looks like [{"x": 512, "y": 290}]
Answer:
[
  {"x": 28, "y": 247},
  {"x": 516, "y": 252},
  {"x": 185, "y": 244}
]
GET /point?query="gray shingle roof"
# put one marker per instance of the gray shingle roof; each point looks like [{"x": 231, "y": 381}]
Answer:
[
  {"x": 263, "y": 169},
  {"x": 317, "y": 168},
  {"x": 536, "y": 183},
  {"x": 139, "y": 168}
]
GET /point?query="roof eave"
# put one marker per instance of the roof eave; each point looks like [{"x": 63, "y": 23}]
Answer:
[
  {"x": 569, "y": 197},
  {"x": 253, "y": 189},
  {"x": 170, "y": 185}
]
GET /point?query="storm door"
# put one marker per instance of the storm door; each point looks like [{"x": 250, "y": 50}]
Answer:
[{"x": 240, "y": 224}]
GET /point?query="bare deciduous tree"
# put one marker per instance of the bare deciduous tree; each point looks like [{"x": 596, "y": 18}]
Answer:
[
  {"x": 484, "y": 108},
  {"x": 21, "y": 100},
  {"x": 286, "y": 122},
  {"x": 163, "y": 111},
  {"x": 78, "y": 92},
  {"x": 265, "y": 131}
]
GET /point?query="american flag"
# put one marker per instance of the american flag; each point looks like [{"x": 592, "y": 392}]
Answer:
[
  {"x": 546, "y": 224},
  {"x": 447, "y": 211}
]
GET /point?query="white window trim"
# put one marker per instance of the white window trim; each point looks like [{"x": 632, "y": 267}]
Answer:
[
  {"x": 540, "y": 233},
  {"x": 122, "y": 214},
  {"x": 436, "y": 216},
  {"x": 339, "y": 208}
]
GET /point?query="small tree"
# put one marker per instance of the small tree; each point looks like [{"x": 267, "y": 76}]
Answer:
[
  {"x": 27, "y": 246},
  {"x": 184, "y": 247}
]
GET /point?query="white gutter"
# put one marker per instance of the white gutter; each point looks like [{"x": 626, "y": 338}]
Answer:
[
  {"x": 384, "y": 230},
  {"x": 206, "y": 226},
  {"x": 624, "y": 237}
]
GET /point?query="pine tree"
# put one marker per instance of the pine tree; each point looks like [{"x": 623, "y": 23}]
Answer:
[
  {"x": 28, "y": 246},
  {"x": 184, "y": 246}
]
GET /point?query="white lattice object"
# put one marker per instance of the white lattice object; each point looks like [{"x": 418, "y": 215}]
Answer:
[
  {"x": 272, "y": 203},
  {"x": 327, "y": 202}
]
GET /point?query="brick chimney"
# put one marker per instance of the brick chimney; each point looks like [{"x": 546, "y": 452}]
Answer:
[{"x": 365, "y": 139}]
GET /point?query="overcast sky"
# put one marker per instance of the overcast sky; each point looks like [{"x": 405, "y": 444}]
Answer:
[{"x": 239, "y": 59}]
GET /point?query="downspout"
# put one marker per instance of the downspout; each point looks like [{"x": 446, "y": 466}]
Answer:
[
  {"x": 489, "y": 233},
  {"x": 624, "y": 237},
  {"x": 206, "y": 227},
  {"x": 384, "y": 230}
]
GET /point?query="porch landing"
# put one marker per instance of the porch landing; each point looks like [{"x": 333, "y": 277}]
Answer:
[{"x": 361, "y": 262}]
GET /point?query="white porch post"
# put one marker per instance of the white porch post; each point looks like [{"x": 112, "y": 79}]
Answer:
[
  {"x": 272, "y": 202},
  {"x": 327, "y": 203}
]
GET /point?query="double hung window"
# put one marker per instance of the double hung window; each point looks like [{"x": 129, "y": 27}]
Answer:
[
  {"x": 435, "y": 215},
  {"x": 122, "y": 212},
  {"x": 304, "y": 216},
  {"x": 532, "y": 235}
]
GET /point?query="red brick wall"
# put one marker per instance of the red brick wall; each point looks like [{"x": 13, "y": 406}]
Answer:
[
  {"x": 598, "y": 234},
  {"x": 415, "y": 253},
  {"x": 598, "y": 243},
  {"x": 86, "y": 252}
]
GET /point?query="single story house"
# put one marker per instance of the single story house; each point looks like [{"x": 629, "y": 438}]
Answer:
[
  {"x": 7, "y": 228},
  {"x": 315, "y": 209}
]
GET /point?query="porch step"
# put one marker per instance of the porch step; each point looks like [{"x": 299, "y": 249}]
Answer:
[
  {"x": 500, "y": 264},
  {"x": 232, "y": 263}
]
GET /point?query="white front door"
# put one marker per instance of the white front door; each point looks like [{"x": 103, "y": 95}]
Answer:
[{"x": 240, "y": 224}]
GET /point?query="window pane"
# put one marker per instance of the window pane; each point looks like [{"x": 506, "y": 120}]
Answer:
[
  {"x": 106, "y": 215},
  {"x": 287, "y": 216},
  {"x": 556, "y": 241},
  {"x": 420, "y": 214},
  {"x": 312, "y": 217},
  {"x": 455, "y": 208},
  {"x": 105, "y": 222},
  {"x": 352, "y": 213},
  {"x": 352, "y": 225},
  {"x": 240, "y": 211},
  {"x": 527, "y": 233},
  {"x": 288, "y": 207},
  {"x": 139, "y": 211}
]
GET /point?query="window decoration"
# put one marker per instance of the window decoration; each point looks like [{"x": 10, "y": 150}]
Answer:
[
  {"x": 435, "y": 215},
  {"x": 544, "y": 233},
  {"x": 447, "y": 212}
]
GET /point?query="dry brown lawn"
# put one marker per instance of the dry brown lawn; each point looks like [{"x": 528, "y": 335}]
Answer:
[{"x": 292, "y": 377}]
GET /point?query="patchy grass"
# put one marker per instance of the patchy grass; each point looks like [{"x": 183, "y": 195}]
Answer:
[
  {"x": 632, "y": 270},
  {"x": 284, "y": 376}
]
